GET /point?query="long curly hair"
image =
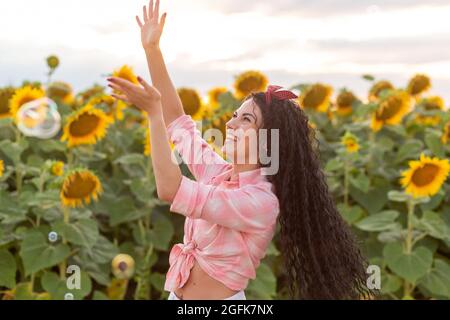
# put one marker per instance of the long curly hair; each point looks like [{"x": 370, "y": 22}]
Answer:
[{"x": 320, "y": 254}]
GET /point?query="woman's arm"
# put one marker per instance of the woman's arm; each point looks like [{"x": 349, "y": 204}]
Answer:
[
  {"x": 167, "y": 173},
  {"x": 151, "y": 31}
]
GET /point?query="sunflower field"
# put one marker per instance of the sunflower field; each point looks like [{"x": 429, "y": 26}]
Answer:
[{"x": 86, "y": 201}]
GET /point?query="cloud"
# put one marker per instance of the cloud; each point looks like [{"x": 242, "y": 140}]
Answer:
[{"x": 317, "y": 8}]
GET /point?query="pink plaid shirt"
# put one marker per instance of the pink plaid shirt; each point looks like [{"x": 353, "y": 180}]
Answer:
[{"x": 229, "y": 224}]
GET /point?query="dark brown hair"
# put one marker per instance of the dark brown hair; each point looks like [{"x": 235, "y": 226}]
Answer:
[{"x": 321, "y": 256}]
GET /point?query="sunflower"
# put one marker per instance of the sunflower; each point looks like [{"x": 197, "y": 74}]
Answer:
[
  {"x": 213, "y": 96},
  {"x": 419, "y": 84},
  {"x": 5, "y": 95},
  {"x": 88, "y": 94},
  {"x": 316, "y": 97},
  {"x": 61, "y": 91},
  {"x": 147, "y": 144},
  {"x": 192, "y": 102},
  {"x": 378, "y": 88},
  {"x": 123, "y": 266},
  {"x": 391, "y": 109},
  {"x": 425, "y": 176},
  {"x": 22, "y": 96},
  {"x": 430, "y": 104},
  {"x": 53, "y": 62},
  {"x": 115, "y": 107},
  {"x": 2, "y": 168},
  {"x": 86, "y": 126},
  {"x": 446, "y": 134},
  {"x": 249, "y": 82},
  {"x": 126, "y": 72},
  {"x": 57, "y": 168},
  {"x": 350, "y": 142},
  {"x": 80, "y": 185},
  {"x": 344, "y": 103}
]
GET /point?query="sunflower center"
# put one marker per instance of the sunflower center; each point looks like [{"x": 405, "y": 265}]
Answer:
[
  {"x": 390, "y": 109},
  {"x": 80, "y": 188},
  {"x": 425, "y": 175},
  {"x": 315, "y": 97},
  {"x": 249, "y": 84},
  {"x": 85, "y": 124}
]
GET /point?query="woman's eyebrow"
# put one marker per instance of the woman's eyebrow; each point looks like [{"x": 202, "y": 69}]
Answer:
[{"x": 249, "y": 114}]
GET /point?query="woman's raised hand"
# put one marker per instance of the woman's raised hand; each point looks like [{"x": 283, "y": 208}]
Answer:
[
  {"x": 143, "y": 96},
  {"x": 152, "y": 27}
]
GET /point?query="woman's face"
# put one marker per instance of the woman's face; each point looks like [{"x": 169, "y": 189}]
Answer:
[{"x": 241, "y": 144}]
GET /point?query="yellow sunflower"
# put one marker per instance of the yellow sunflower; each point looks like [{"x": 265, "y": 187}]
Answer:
[
  {"x": 391, "y": 109},
  {"x": 115, "y": 107},
  {"x": 80, "y": 185},
  {"x": 419, "y": 84},
  {"x": 5, "y": 95},
  {"x": 22, "y": 96},
  {"x": 430, "y": 104},
  {"x": 57, "y": 168},
  {"x": 316, "y": 97},
  {"x": 344, "y": 103},
  {"x": 377, "y": 88},
  {"x": 213, "y": 96},
  {"x": 61, "y": 92},
  {"x": 147, "y": 144},
  {"x": 192, "y": 102},
  {"x": 425, "y": 176},
  {"x": 94, "y": 91},
  {"x": 126, "y": 72},
  {"x": 350, "y": 142},
  {"x": 123, "y": 266},
  {"x": 446, "y": 134},
  {"x": 249, "y": 82},
  {"x": 86, "y": 126},
  {"x": 2, "y": 168}
]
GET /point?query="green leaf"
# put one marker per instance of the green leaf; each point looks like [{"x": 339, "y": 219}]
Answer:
[
  {"x": 409, "y": 150},
  {"x": 11, "y": 211},
  {"x": 7, "y": 269},
  {"x": 13, "y": 150},
  {"x": 133, "y": 158},
  {"x": 103, "y": 251},
  {"x": 272, "y": 250},
  {"x": 51, "y": 145},
  {"x": 157, "y": 280},
  {"x": 360, "y": 182},
  {"x": 161, "y": 233},
  {"x": 434, "y": 143},
  {"x": 390, "y": 283},
  {"x": 434, "y": 225},
  {"x": 98, "y": 295},
  {"x": 382, "y": 221},
  {"x": 351, "y": 214},
  {"x": 408, "y": 266},
  {"x": 84, "y": 232},
  {"x": 58, "y": 287},
  {"x": 122, "y": 210},
  {"x": 398, "y": 196},
  {"x": 334, "y": 164},
  {"x": 437, "y": 280},
  {"x": 38, "y": 254},
  {"x": 373, "y": 201},
  {"x": 264, "y": 286}
]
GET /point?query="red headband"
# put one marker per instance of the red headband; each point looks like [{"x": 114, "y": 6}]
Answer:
[{"x": 278, "y": 93}]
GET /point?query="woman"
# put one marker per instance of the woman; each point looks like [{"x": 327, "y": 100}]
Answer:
[{"x": 232, "y": 209}]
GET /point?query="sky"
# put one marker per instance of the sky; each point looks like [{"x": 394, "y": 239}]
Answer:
[{"x": 207, "y": 43}]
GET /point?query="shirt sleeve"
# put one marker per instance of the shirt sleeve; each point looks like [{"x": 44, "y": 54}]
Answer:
[
  {"x": 252, "y": 208},
  {"x": 203, "y": 162}
]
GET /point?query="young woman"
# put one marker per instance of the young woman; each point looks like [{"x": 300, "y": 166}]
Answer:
[{"x": 232, "y": 209}]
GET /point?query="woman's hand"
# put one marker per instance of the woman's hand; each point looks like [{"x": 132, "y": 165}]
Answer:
[
  {"x": 153, "y": 26},
  {"x": 145, "y": 96}
]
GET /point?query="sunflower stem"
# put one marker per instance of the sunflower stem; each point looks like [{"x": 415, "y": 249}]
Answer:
[
  {"x": 63, "y": 265},
  {"x": 346, "y": 180},
  {"x": 408, "y": 287},
  {"x": 370, "y": 156}
]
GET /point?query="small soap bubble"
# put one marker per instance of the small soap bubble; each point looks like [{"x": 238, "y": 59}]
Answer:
[
  {"x": 39, "y": 118},
  {"x": 52, "y": 236},
  {"x": 68, "y": 296}
]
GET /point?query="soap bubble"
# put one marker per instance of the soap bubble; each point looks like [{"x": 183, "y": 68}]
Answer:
[
  {"x": 52, "y": 236},
  {"x": 68, "y": 296},
  {"x": 39, "y": 118}
]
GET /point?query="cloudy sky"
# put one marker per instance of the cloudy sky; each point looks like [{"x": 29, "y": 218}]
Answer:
[{"x": 206, "y": 43}]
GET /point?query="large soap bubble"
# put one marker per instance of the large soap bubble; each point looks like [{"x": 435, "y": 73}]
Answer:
[{"x": 39, "y": 118}]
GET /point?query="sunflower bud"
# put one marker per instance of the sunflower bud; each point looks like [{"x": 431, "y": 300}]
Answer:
[
  {"x": 53, "y": 62},
  {"x": 123, "y": 266}
]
